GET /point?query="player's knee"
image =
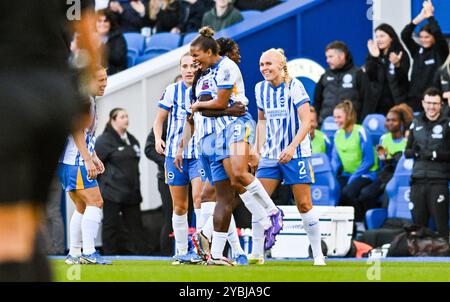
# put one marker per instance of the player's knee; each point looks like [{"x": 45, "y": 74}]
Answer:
[
  {"x": 305, "y": 207},
  {"x": 180, "y": 209}
]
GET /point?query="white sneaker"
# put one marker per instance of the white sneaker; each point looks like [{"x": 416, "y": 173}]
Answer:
[
  {"x": 319, "y": 261},
  {"x": 255, "y": 259}
]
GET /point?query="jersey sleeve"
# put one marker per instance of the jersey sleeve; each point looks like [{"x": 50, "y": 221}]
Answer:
[
  {"x": 166, "y": 101},
  {"x": 227, "y": 75},
  {"x": 258, "y": 96},
  {"x": 298, "y": 94}
]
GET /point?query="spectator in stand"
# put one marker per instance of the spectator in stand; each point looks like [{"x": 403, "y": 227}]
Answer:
[
  {"x": 442, "y": 81},
  {"x": 390, "y": 150},
  {"x": 319, "y": 141},
  {"x": 429, "y": 145},
  {"x": 428, "y": 55},
  {"x": 353, "y": 159},
  {"x": 191, "y": 15},
  {"x": 166, "y": 198},
  {"x": 131, "y": 14},
  {"x": 224, "y": 14},
  {"x": 255, "y": 4},
  {"x": 164, "y": 15},
  {"x": 120, "y": 186},
  {"x": 387, "y": 67},
  {"x": 342, "y": 81},
  {"x": 113, "y": 42}
]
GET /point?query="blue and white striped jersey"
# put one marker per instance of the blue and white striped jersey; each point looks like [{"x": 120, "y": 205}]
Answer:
[
  {"x": 71, "y": 155},
  {"x": 226, "y": 75},
  {"x": 176, "y": 100},
  {"x": 203, "y": 125},
  {"x": 280, "y": 105}
]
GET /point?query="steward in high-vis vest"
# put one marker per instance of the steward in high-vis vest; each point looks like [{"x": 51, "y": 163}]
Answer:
[{"x": 353, "y": 158}]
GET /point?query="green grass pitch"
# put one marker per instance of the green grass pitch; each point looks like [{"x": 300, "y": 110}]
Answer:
[{"x": 279, "y": 271}]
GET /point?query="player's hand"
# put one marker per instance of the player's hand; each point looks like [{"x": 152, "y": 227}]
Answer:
[
  {"x": 99, "y": 165},
  {"x": 160, "y": 146},
  {"x": 396, "y": 58},
  {"x": 253, "y": 161},
  {"x": 238, "y": 109},
  {"x": 178, "y": 161},
  {"x": 287, "y": 154},
  {"x": 195, "y": 107},
  {"x": 90, "y": 168},
  {"x": 373, "y": 49}
]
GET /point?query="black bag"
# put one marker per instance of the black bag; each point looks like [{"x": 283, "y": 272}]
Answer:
[{"x": 419, "y": 242}]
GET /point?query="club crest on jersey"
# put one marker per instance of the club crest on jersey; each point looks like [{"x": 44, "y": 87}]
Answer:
[
  {"x": 205, "y": 85},
  {"x": 170, "y": 175}
]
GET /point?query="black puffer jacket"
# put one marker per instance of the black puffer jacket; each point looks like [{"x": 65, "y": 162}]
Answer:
[
  {"x": 429, "y": 145},
  {"x": 426, "y": 61},
  {"x": 120, "y": 182},
  {"x": 336, "y": 86},
  {"x": 115, "y": 53}
]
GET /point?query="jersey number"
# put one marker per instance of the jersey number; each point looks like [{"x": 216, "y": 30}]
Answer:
[
  {"x": 302, "y": 166},
  {"x": 237, "y": 130}
]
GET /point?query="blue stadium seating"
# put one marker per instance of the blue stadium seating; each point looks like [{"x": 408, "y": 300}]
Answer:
[
  {"x": 325, "y": 190},
  {"x": 250, "y": 14},
  {"x": 146, "y": 57},
  {"x": 398, "y": 190},
  {"x": 329, "y": 127},
  {"x": 189, "y": 37},
  {"x": 135, "y": 41},
  {"x": 374, "y": 124},
  {"x": 162, "y": 41}
]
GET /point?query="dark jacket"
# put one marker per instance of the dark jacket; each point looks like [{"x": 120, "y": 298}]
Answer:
[
  {"x": 429, "y": 145},
  {"x": 120, "y": 182},
  {"x": 336, "y": 86},
  {"x": 442, "y": 80},
  {"x": 168, "y": 18},
  {"x": 115, "y": 53},
  {"x": 130, "y": 20},
  {"x": 230, "y": 17},
  {"x": 386, "y": 85},
  {"x": 151, "y": 153},
  {"x": 426, "y": 61},
  {"x": 191, "y": 15}
]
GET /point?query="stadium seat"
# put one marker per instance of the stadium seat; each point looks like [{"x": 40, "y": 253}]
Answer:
[
  {"x": 397, "y": 190},
  {"x": 146, "y": 57},
  {"x": 135, "y": 41},
  {"x": 250, "y": 14},
  {"x": 325, "y": 190},
  {"x": 162, "y": 41},
  {"x": 374, "y": 124},
  {"x": 132, "y": 55},
  {"x": 189, "y": 37},
  {"x": 329, "y": 127}
]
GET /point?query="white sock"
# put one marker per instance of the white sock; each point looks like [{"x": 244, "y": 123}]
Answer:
[
  {"x": 257, "y": 189},
  {"x": 257, "y": 239},
  {"x": 89, "y": 228},
  {"x": 181, "y": 232},
  {"x": 76, "y": 239},
  {"x": 311, "y": 226},
  {"x": 233, "y": 238},
  {"x": 208, "y": 228},
  {"x": 207, "y": 211},
  {"x": 198, "y": 219},
  {"x": 257, "y": 210},
  {"x": 218, "y": 244}
]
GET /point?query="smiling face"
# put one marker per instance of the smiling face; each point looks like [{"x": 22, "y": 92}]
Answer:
[
  {"x": 340, "y": 117},
  {"x": 187, "y": 69},
  {"x": 98, "y": 84},
  {"x": 201, "y": 58},
  {"x": 432, "y": 106},
  {"x": 271, "y": 68},
  {"x": 383, "y": 40},
  {"x": 426, "y": 39},
  {"x": 103, "y": 25}
]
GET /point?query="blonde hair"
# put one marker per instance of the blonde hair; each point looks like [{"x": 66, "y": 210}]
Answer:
[
  {"x": 350, "y": 113},
  {"x": 279, "y": 52},
  {"x": 447, "y": 65}
]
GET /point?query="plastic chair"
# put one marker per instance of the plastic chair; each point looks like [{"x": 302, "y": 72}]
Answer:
[
  {"x": 374, "y": 124},
  {"x": 188, "y": 38},
  {"x": 329, "y": 127},
  {"x": 325, "y": 190},
  {"x": 164, "y": 41},
  {"x": 135, "y": 41}
]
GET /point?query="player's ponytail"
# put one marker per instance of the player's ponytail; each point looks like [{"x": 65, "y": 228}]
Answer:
[
  {"x": 350, "y": 112},
  {"x": 286, "y": 76}
]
